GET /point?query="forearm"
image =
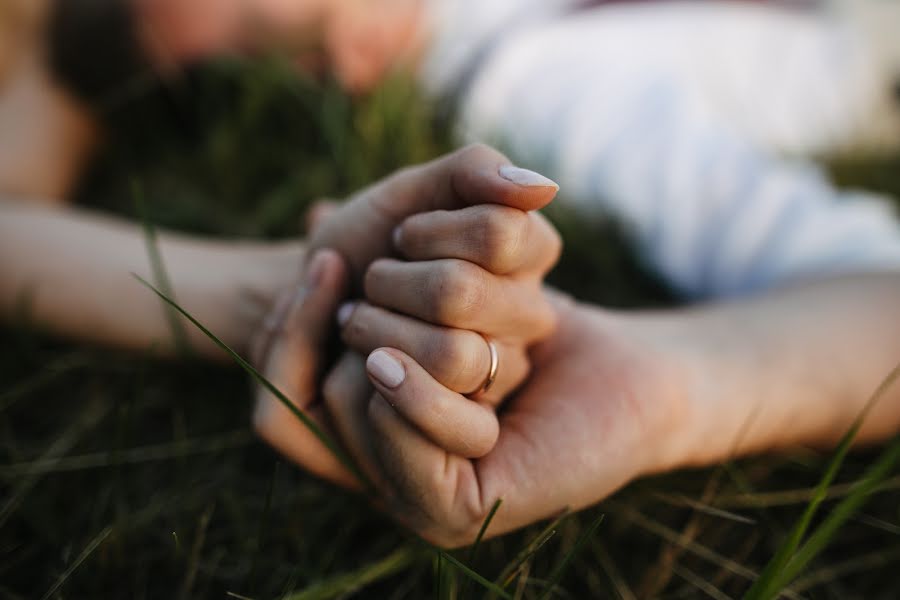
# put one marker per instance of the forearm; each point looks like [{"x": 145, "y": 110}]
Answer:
[
  {"x": 71, "y": 272},
  {"x": 786, "y": 368}
]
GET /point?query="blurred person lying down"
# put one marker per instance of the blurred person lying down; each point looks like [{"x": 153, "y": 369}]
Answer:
[{"x": 687, "y": 122}]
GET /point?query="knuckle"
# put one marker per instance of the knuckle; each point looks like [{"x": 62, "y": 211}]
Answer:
[
  {"x": 374, "y": 277},
  {"x": 452, "y": 355},
  {"x": 501, "y": 236},
  {"x": 478, "y": 149},
  {"x": 332, "y": 395},
  {"x": 456, "y": 292},
  {"x": 555, "y": 245}
]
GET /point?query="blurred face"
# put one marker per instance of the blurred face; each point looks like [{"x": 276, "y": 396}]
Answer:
[
  {"x": 366, "y": 38},
  {"x": 21, "y": 23},
  {"x": 359, "y": 40}
]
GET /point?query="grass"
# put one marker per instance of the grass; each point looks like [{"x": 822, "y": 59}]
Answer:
[{"x": 123, "y": 476}]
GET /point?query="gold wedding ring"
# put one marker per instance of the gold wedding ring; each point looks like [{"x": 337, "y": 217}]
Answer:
[{"x": 492, "y": 372}]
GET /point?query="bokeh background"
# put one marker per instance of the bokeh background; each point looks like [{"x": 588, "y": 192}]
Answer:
[{"x": 125, "y": 476}]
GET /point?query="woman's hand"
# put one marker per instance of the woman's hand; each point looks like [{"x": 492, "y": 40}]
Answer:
[
  {"x": 471, "y": 275},
  {"x": 520, "y": 247},
  {"x": 362, "y": 228}
]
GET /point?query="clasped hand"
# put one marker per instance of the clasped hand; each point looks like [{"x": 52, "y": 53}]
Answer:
[{"x": 446, "y": 256}]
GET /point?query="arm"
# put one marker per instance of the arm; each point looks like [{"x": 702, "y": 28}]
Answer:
[
  {"x": 70, "y": 271},
  {"x": 791, "y": 367}
]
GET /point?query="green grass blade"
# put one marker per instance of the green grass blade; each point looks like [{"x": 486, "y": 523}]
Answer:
[
  {"x": 349, "y": 583},
  {"x": 488, "y": 585},
  {"x": 263, "y": 525},
  {"x": 160, "y": 275},
  {"x": 767, "y": 585},
  {"x": 473, "y": 553},
  {"x": 323, "y": 437},
  {"x": 88, "y": 550},
  {"x": 487, "y": 523},
  {"x": 824, "y": 534},
  {"x": 560, "y": 570},
  {"x": 509, "y": 571},
  {"x": 439, "y": 578}
]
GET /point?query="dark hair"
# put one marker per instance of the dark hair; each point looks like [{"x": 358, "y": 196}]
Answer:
[{"x": 94, "y": 48}]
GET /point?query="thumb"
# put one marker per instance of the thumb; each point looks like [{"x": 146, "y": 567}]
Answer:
[
  {"x": 293, "y": 361},
  {"x": 319, "y": 212}
]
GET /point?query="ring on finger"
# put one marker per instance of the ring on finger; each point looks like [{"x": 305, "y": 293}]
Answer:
[{"x": 492, "y": 370}]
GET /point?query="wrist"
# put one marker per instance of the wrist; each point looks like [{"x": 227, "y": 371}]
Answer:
[
  {"x": 653, "y": 374},
  {"x": 231, "y": 289}
]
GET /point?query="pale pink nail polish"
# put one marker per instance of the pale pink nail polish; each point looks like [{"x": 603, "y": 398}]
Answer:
[
  {"x": 386, "y": 369},
  {"x": 345, "y": 312},
  {"x": 525, "y": 178}
]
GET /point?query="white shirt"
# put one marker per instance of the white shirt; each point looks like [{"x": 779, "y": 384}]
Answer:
[{"x": 678, "y": 120}]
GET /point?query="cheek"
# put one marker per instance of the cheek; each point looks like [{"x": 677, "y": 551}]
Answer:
[
  {"x": 286, "y": 14},
  {"x": 190, "y": 30}
]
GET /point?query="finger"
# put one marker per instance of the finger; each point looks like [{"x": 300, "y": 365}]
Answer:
[
  {"x": 320, "y": 210},
  {"x": 471, "y": 176},
  {"x": 458, "y": 359},
  {"x": 500, "y": 239},
  {"x": 453, "y": 422},
  {"x": 346, "y": 392},
  {"x": 425, "y": 479},
  {"x": 292, "y": 367},
  {"x": 468, "y": 177},
  {"x": 457, "y": 293}
]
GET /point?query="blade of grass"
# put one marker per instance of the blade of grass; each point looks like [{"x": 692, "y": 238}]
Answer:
[
  {"x": 473, "y": 553},
  {"x": 560, "y": 569},
  {"x": 88, "y": 550},
  {"x": 439, "y": 578},
  {"x": 509, "y": 571},
  {"x": 824, "y": 534},
  {"x": 701, "y": 584},
  {"x": 487, "y": 522},
  {"x": 263, "y": 522},
  {"x": 129, "y": 456},
  {"x": 317, "y": 431},
  {"x": 160, "y": 275},
  {"x": 87, "y": 421},
  {"x": 349, "y": 583},
  {"x": 767, "y": 585},
  {"x": 856, "y": 564},
  {"x": 488, "y": 585}
]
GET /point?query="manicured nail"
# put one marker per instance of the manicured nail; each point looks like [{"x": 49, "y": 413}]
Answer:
[
  {"x": 525, "y": 178},
  {"x": 316, "y": 269},
  {"x": 386, "y": 369},
  {"x": 345, "y": 312},
  {"x": 397, "y": 236}
]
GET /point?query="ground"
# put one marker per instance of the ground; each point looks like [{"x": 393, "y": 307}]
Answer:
[{"x": 127, "y": 477}]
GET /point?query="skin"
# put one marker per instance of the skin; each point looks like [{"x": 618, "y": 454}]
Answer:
[
  {"x": 612, "y": 396},
  {"x": 615, "y": 396},
  {"x": 357, "y": 41},
  {"x": 436, "y": 304}
]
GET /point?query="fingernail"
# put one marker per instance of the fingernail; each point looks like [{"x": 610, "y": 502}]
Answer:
[
  {"x": 316, "y": 269},
  {"x": 397, "y": 236},
  {"x": 525, "y": 178},
  {"x": 386, "y": 369},
  {"x": 345, "y": 312}
]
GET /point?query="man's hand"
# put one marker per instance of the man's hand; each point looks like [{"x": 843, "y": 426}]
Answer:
[{"x": 598, "y": 410}]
